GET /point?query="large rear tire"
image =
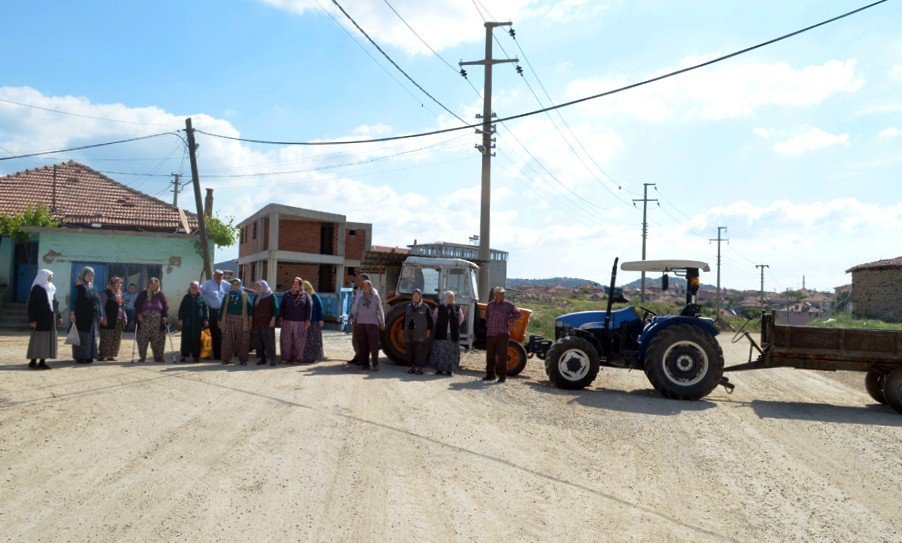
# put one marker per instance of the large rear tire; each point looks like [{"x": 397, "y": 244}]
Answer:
[
  {"x": 393, "y": 336},
  {"x": 572, "y": 363},
  {"x": 516, "y": 357},
  {"x": 873, "y": 383},
  {"x": 892, "y": 389},
  {"x": 684, "y": 362}
]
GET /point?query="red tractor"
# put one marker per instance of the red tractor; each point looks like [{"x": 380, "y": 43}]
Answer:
[{"x": 434, "y": 276}]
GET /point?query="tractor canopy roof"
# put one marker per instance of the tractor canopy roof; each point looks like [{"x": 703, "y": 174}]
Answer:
[
  {"x": 430, "y": 262},
  {"x": 663, "y": 265}
]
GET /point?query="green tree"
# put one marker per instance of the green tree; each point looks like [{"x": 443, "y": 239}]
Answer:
[
  {"x": 11, "y": 224},
  {"x": 222, "y": 231}
]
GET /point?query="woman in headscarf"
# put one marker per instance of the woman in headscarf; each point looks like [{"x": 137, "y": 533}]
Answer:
[
  {"x": 417, "y": 330},
  {"x": 448, "y": 317},
  {"x": 295, "y": 313},
  {"x": 44, "y": 317},
  {"x": 152, "y": 309},
  {"x": 237, "y": 313},
  {"x": 193, "y": 318},
  {"x": 369, "y": 315},
  {"x": 112, "y": 319},
  {"x": 266, "y": 309},
  {"x": 313, "y": 347},
  {"x": 84, "y": 311}
]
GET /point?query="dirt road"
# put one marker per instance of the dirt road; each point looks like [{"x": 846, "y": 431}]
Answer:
[{"x": 156, "y": 452}]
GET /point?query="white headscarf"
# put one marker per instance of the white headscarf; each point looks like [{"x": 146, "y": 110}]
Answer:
[{"x": 43, "y": 280}]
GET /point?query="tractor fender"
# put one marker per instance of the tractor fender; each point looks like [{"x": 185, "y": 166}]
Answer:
[
  {"x": 588, "y": 336},
  {"x": 652, "y": 330}
]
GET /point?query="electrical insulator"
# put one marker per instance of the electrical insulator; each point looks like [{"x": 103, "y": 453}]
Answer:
[
  {"x": 463, "y": 73},
  {"x": 519, "y": 69},
  {"x": 512, "y": 32}
]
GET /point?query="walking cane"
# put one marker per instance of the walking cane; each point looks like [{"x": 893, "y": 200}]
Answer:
[
  {"x": 171, "y": 344},
  {"x": 134, "y": 341}
]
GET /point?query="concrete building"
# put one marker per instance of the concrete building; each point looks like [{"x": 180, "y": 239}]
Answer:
[
  {"x": 444, "y": 249},
  {"x": 104, "y": 224},
  {"x": 281, "y": 242},
  {"x": 876, "y": 291}
]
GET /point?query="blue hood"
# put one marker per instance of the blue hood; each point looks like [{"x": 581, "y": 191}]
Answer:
[{"x": 588, "y": 320}]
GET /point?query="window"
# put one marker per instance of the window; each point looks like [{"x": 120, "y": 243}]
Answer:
[
  {"x": 255, "y": 231},
  {"x": 137, "y": 274},
  {"x": 458, "y": 281},
  {"x": 352, "y": 272},
  {"x": 352, "y": 232}
]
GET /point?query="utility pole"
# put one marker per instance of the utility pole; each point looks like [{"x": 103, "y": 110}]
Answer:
[
  {"x": 718, "y": 240},
  {"x": 176, "y": 188},
  {"x": 487, "y": 131},
  {"x": 644, "y": 201},
  {"x": 201, "y": 220},
  {"x": 762, "y": 266}
]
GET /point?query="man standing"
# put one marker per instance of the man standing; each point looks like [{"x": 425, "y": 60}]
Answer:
[
  {"x": 499, "y": 316},
  {"x": 213, "y": 291}
]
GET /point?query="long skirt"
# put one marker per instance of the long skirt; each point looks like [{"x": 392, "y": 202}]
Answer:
[
  {"x": 265, "y": 342},
  {"x": 150, "y": 330},
  {"x": 313, "y": 350},
  {"x": 111, "y": 339},
  {"x": 190, "y": 345},
  {"x": 294, "y": 338},
  {"x": 445, "y": 355},
  {"x": 42, "y": 345},
  {"x": 88, "y": 348},
  {"x": 235, "y": 339}
]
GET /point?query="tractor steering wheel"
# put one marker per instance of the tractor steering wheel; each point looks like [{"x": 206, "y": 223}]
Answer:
[
  {"x": 647, "y": 313},
  {"x": 741, "y": 332}
]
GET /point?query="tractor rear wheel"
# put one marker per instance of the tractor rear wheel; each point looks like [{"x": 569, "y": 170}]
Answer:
[
  {"x": 516, "y": 357},
  {"x": 572, "y": 363},
  {"x": 684, "y": 362},
  {"x": 892, "y": 389},
  {"x": 873, "y": 383},
  {"x": 393, "y": 336}
]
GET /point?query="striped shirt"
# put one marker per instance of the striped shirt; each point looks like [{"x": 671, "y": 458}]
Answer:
[{"x": 499, "y": 318}]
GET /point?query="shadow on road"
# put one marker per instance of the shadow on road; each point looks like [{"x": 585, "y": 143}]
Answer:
[
  {"x": 873, "y": 414},
  {"x": 646, "y": 402}
]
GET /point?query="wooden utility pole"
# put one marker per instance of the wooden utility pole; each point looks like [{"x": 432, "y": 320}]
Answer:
[
  {"x": 176, "y": 188},
  {"x": 718, "y": 240},
  {"x": 644, "y": 201},
  {"x": 201, "y": 220},
  {"x": 487, "y": 131},
  {"x": 762, "y": 266}
]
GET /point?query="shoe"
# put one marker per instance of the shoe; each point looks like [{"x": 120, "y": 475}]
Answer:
[
  {"x": 502, "y": 379},
  {"x": 32, "y": 364},
  {"x": 196, "y": 360},
  {"x": 448, "y": 373},
  {"x": 139, "y": 360},
  {"x": 488, "y": 378},
  {"x": 375, "y": 367},
  {"x": 440, "y": 373},
  {"x": 224, "y": 363},
  {"x": 244, "y": 363},
  {"x": 44, "y": 366},
  {"x": 261, "y": 363},
  {"x": 411, "y": 371},
  {"x": 272, "y": 363},
  {"x": 182, "y": 359},
  {"x": 159, "y": 361},
  {"x": 365, "y": 367},
  {"x": 419, "y": 372}
]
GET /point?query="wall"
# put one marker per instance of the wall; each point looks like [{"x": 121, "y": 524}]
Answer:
[
  {"x": 287, "y": 271},
  {"x": 877, "y": 294},
  {"x": 303, "y": 236},
  {"x": 355, "y": 244},
  {"x": 178, "y": 256}
]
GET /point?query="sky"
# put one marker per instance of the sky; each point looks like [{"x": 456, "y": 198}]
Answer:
[{"x": 796, "y": 148}]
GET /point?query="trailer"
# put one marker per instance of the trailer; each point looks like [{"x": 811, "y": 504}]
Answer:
[{"x": 876, "y": 353}]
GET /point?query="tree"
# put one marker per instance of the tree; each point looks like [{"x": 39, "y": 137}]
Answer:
[
  {"x": 11, "y": 224},
  {"x": 222, "y": 231}
]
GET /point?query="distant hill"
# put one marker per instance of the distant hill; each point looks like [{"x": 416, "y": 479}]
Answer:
[
  {"x": 567, "y": 282},
  {"x": 656, "y": 282}
]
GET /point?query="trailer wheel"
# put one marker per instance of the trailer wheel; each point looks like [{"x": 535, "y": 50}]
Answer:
[
  {"x": 873, "y": 383},
  {"x": 516, "y": 357},
  {"x": 393, "y": 336},
  {"x": 572, "y": 363},
  {"x": 684, "y": 362},
  {"x": 892, "y": 389}
]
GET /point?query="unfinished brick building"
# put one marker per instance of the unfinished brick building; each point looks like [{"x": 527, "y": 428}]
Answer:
[{"x": 280, "y": 242}]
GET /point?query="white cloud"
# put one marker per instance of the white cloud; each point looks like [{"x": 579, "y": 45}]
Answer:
[
  {"x": 731, "y": 90},
  {"x": 761, "y": 132},
  {"x": 811, "y": 140},
  {"x": 890, "y": 133}
]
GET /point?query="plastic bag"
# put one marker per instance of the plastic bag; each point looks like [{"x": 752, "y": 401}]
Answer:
[
  {"x": 72, "y": 338},
  {"x": 206, "y": 344}
]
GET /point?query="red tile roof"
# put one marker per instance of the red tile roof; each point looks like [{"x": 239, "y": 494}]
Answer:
[
  {"x": 85, "y": 197},
  {"x": 888, "y": 264}
]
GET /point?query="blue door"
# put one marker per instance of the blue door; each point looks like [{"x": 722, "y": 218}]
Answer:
[
  {"x": 100, "y": 274},
  {"x": 26, "y": 268}
]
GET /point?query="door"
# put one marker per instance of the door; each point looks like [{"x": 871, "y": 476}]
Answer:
[{"x": 26, "y": 268}]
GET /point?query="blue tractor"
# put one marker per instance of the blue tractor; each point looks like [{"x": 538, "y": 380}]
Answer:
[{"x": 679, "y": 354}]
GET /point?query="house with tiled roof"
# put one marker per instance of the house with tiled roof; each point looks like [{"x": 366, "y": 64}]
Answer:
[
  {"x": 877, "y": 289},
  {"x": 115, "y": 229}
]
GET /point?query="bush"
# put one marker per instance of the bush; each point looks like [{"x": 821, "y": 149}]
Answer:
[{"x": 221, "y": 231}]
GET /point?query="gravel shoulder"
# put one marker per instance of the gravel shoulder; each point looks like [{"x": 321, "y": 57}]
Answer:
[{"x": 117, "y": 451}]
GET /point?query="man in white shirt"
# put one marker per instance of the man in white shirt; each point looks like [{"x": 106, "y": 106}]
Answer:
[{"x": 213, "y": 291}]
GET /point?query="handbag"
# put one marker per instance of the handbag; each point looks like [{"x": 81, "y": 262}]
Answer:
[{"x": 72, "y": 338}]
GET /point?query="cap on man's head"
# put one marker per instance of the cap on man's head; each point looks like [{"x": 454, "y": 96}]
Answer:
[
  {"x": 218, "y": 272},
  {"x": 365, "y": 276},
  {"x": 499, "y": 290}
]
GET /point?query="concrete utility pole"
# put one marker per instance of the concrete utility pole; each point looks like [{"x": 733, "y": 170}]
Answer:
[
  {"x": 718, "y": 240},
  {"x": 644, "y": 201},
  {"x": 762, "y": 266},
  {"x": 176, "y": 188},
  {"x": 201, "y": 220},
  {"x": 487, "y": 131}
]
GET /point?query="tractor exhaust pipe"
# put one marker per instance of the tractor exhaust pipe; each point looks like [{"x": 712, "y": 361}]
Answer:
[{"x": 607, "y": 315}]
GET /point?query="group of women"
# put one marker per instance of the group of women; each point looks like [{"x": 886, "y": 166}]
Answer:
[{"x": 103, "y": 314}]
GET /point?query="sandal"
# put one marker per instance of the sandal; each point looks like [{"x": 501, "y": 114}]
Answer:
[
  {"x": 411, "y": 371},
  {"x": 419, "y": 372}
]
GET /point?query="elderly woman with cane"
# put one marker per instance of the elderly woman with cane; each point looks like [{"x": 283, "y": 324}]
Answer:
[{"x": 152, "y": 309}]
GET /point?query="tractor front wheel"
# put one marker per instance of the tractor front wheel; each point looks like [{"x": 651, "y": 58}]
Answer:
[
  {"x": 572, "y": 363},
  {"x": 516, "y": 357},
  {"x": 684, "y": 362},
  {"x": 892, "y": 389}
]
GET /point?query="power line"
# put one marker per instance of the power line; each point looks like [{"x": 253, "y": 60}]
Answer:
[
  {"x": 91, "y": 146},
  {"x": 562, "y": 105},
  {"x": 72, "y": 114}
]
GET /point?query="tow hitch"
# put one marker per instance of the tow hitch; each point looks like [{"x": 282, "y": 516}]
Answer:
[{"x": 727, "y": 385}]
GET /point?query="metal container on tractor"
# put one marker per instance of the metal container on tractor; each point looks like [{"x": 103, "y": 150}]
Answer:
[
  {"x": 682, "y": 358},
  {"x": 434, "y": 276}
]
